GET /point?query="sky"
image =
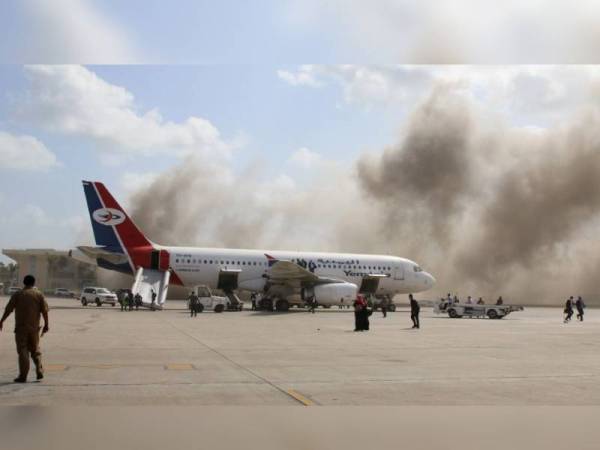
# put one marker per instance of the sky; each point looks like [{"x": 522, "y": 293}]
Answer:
[{"x": 323, "y": 125}]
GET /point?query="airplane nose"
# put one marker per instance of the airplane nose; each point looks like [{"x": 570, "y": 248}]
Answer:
[{"x": 430, "y": 279}]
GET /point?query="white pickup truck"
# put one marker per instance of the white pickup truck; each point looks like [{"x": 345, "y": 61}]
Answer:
[
  {"x": 208, "y": 301},
  {"x": 458, "y": 310}
]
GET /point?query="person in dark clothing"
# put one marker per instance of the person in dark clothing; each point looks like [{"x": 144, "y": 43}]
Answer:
[
  {"x": 138, "y": 301},
  {"x": 253, "y": 300},
  {"x": 480, "y": 301},
  {"x": 568, "y": 309},
  {"x": 130, "y": 301},
  {"x": 579, "y": 305},
  {"x": 193, "y": 298},
  {"x": 499, "y": 301},
  {"x": 414, "y": 311},
  {"x": 312, "y": 304},
  {"x": 384, "y": 307},
  {"x": 153, "y": 300},
  {"x": 360, "y": 311}
]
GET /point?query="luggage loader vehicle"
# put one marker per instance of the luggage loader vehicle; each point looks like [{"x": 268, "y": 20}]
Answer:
[
  {"x": 208, "y": 301},
  {"x": 458, "y": 310}
]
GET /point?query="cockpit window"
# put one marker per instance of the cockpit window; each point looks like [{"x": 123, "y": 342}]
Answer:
[{"x": 417, "y": 269}]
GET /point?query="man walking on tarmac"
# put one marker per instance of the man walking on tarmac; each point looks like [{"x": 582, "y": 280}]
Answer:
[
  {"x": 384, "y": 306},
  {"x": 568, "y": 309},
  {"x": 28, "y": 304},
  {"x": 579, "y": 305},
  {"x": 130, "y": 301},
  {"x": 414, "y": 311}
]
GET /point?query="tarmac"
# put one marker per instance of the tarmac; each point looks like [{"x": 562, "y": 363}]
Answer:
[{"x": 100, "y": 356}]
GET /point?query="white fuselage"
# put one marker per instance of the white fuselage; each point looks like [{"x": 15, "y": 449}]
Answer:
[{"x": 196, "y": 266}]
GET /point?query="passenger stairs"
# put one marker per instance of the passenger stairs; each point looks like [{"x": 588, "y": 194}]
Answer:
[{"x": 148, "y": 280}]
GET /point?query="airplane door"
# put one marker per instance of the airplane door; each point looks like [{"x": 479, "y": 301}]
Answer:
[
  {"x": 164, "y": 262},
  {"x": 154, "y": 260},
  {"x": 399, "y": 272}
]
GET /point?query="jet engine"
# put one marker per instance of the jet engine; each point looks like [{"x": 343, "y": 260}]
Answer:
[{"x": 335, "y": 293}]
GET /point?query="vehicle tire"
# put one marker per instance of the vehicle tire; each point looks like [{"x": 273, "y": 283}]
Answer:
[
  {"x": 98, "y": 302},
  {"x": 200, "y": 308},
  {"x": 84, "y": 302},
  {"x": 492, "y": 314},
  {"x": 282, "y": 305},
  {"x": 392, "y": 308},
  {"x": 112, "y": 304},
  {"x": 266, "y": 304},
  {"x": 219, "y": 308},
  {"x": 453, "y": 314}
]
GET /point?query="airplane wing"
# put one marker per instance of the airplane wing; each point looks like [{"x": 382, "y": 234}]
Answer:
[
  {"x": 287, "y": 272},
  {"x": 99, "y": 252}
]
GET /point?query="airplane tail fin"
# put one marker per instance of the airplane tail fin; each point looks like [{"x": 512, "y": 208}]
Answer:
[{"x": 113, "y": 228}]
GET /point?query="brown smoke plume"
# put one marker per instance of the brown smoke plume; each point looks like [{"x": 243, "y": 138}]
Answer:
[{"x": 488, "y": 209}]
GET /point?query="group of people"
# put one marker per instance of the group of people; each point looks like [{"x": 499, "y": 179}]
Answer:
[
  {"x": 449, "y": 300},
  {"x": 578, "y": 304},
  {"x": 128, "y": 301}
]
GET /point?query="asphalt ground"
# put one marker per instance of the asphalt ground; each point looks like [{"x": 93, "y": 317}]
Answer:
[{"x": 102, "y": 356}]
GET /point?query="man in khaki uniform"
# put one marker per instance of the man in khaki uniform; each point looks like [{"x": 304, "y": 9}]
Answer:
[{"x": 28, "y": 304}]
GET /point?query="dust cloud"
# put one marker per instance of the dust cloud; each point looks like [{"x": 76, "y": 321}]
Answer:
[{"x": 488, "y": 208}]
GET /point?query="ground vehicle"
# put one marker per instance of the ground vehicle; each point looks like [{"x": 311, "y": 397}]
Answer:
[
  {"x": 458, "y": 310},
  {"x": 208, "y": 301},
  {"x": 63, "y": 292},
  {"x": 97, "y": 295}
]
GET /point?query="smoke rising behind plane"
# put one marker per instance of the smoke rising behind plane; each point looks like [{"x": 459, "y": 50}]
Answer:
[{"x": 489, "y": 209}]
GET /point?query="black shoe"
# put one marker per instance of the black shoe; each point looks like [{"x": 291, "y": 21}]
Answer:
[
  {"x": 40, "y": 376},
  {"x": 20, "y": 380}
]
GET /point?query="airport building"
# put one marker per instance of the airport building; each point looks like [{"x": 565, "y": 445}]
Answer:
[{"x": 52, "y": 269}]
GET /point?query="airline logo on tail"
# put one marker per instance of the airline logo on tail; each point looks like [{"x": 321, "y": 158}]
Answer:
[{"x": 109, "y": 216}]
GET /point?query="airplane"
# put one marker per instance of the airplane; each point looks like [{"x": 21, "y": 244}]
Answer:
[{"x": 283, "y": 278}]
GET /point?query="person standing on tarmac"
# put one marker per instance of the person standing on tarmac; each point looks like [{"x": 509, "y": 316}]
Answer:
[
  {"x": 568, "y": 309},
  {"x": 130, "y": 301},
  {"x": 579, "y": 305},
  {"x": 153, "y": 305},
  {"x": 253, "y": 300},
  {"x": 28, "y": 304},
  {"x": 414, "y": 311},
  {"x": 138, "y": 301},
  {"x": 121, "y": 299},
  {"x": 361, "y": 314},
  {"x": 384, "y": 306},
  {"x": 193, "y": 298}
]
